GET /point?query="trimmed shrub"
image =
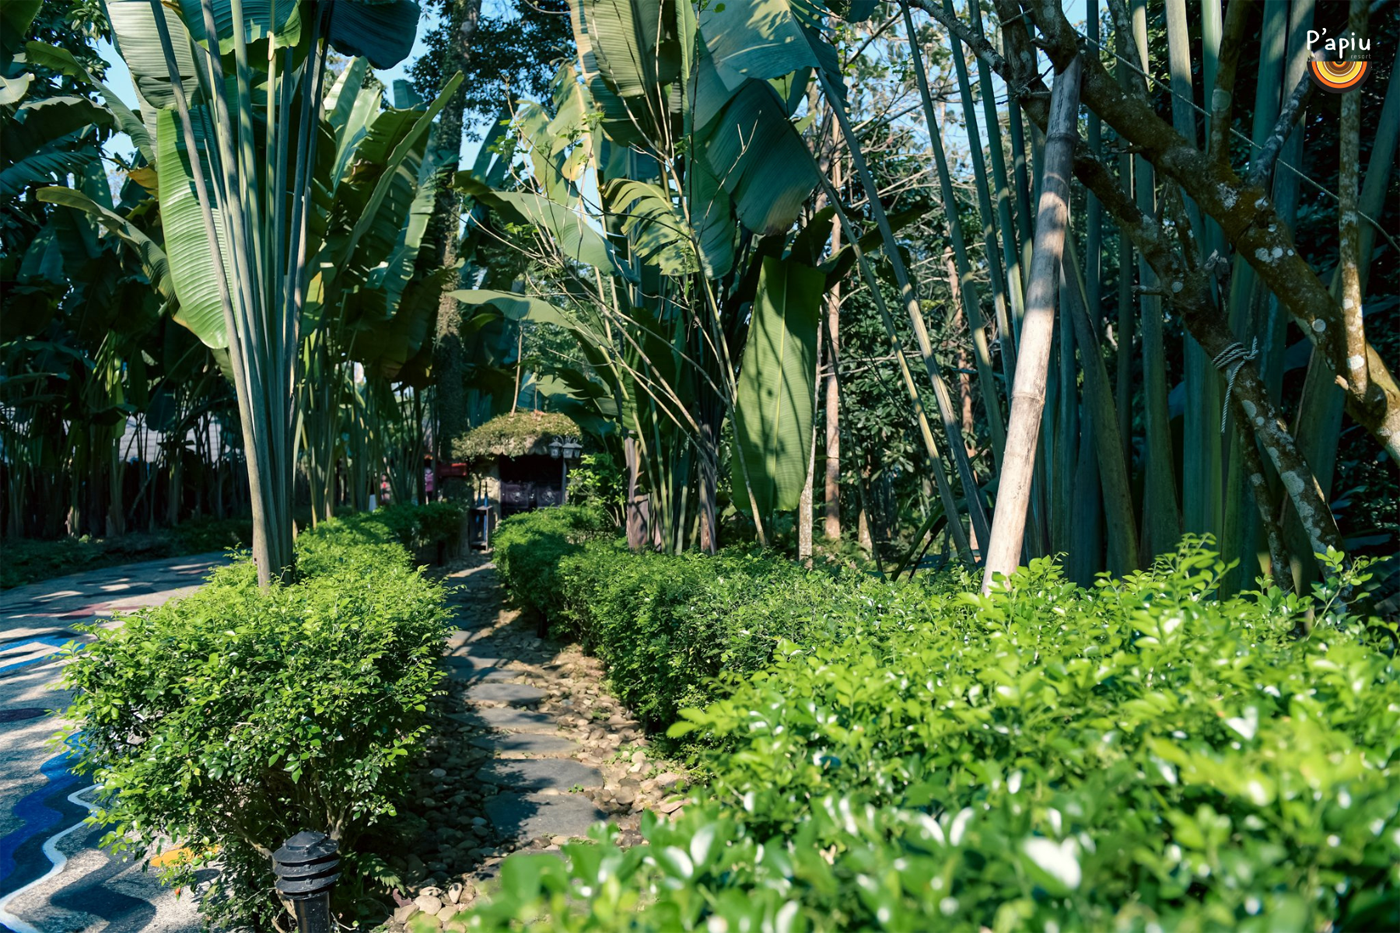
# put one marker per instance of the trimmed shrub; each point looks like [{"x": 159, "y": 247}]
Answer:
[
  {"x": 667, "y": 626},
  {"x": 231, "y": 719},
  {"x": 1138, "y": 755},
  {"x": 530, "y": 546}
]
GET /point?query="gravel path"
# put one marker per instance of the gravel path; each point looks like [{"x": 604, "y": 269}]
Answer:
[{"x": 530, "y": 751}]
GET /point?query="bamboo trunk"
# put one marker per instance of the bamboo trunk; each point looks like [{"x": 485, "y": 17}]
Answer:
[{"x": 1033, "y": 362}]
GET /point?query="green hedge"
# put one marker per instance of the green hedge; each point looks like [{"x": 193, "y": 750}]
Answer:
[
  {"x": 1134, "y": 756},
  {"x": 529, "y": 547},
  {"x": 233, "y": 718},
  {"x": 664, "y": 626}
]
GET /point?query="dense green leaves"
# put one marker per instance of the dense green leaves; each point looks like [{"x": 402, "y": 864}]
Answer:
[
  {"x": 1134, "y": 755},
  {"x": 762, "y": 161},
  {"x": 231, "y": 719}
]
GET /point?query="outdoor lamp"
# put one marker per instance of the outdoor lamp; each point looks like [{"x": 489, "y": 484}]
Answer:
[{"x": 307, "y": 867}]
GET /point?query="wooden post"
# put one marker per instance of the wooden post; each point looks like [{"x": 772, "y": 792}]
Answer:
[{"x": 1037, "y": 333}]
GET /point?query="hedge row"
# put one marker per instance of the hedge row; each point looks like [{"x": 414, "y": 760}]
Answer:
[
  {"x": 1138, "y": 755},
  {"x": 667, "y": 626},
  {"x": 232, "y": 719}
]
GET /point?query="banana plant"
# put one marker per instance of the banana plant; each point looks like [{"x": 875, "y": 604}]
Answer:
[
  {"x": 669, "y": 175},
  {"x": 234, "y": 98}
]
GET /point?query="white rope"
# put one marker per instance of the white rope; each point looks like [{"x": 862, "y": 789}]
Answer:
[{"x": 1229, "y": 361}]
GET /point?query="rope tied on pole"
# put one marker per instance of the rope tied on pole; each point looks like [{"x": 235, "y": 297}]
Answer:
[{"x": 1229, "y": 361}]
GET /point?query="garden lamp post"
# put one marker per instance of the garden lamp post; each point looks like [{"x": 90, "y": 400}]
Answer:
[
  {"x": 564, "y": 450},
  {"x": 307, "y": 867}
]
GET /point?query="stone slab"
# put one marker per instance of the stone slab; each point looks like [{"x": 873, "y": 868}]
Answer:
[
  {"x": 507, "y": 717},
  {"x": 530, "y": 774},
  {"x": 462, "y": 659},
  {"x": 532, "y": 743},
  {"x": 529, "y": 816},
  {"x": 509, "y": 694},
  {"x": 480, "y": 675}
]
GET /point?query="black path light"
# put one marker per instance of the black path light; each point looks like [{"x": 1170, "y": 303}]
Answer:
[
  {"x": 307, "y": 867},
  {"x": 564, "y": 450}
]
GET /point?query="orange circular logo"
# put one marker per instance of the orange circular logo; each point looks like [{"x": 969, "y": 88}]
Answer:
[{"x": 1337, "y": 77}]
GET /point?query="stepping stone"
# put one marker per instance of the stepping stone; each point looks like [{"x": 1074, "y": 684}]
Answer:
[
  {"x": 472, "y": 660},
  {"x": 482, "y": 675},
  {"x": 509, "y": 694},
  {"x": 529, "y": 816},
  {"x": 528, "y": 774},
  {"x": 532, "y": 743},
  {"x": 507, "y": 717}
]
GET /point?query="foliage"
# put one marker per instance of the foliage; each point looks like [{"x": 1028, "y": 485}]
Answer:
[
  {"x": 514, "y": 435},
  {"x": 597, "y": 481},
  {"x": 666, "y": 626},
  {"x": 411, "y": 526},
  {"x": 29, "y": 561},
  {"x": 509, "y": 53},
  {"x": 530, "y": 546},
  {"x": 231, "y": 719},
  {"x": 1136, "y": 755}
]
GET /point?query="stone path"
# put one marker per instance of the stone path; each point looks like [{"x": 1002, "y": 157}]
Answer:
[
  {"x": 53, "y": 877},
  {"x": 530, "y": 751}
]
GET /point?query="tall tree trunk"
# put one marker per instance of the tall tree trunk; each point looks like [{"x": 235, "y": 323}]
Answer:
[
  {"x": 831, "y": 493},
  {"x": 448, "y": 362},
  {"x": 1037, "y": 333}
]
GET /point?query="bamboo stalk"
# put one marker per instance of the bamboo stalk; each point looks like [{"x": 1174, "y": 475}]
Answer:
[
  {"x": 1028, "y": 397},
  {"x": 1202, "y": 463},
  {"x": 972, "y": 494},
  {"x": 945, "y": 489},
  {"x": 977, "y": 325}
]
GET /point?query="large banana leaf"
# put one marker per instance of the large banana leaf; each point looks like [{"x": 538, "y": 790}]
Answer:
[
  {"x": 656, "y": 232},
  {"x": 760, "y": 39},
  {"x": 192, "y": 265},
  {"x": 381, "y": 32},
  {"x": 515, "y": 307},
  {"x": 712, "y": 213},
  {"x": 261, "y": 19},
  {"x": 777, "y": 382},
  {"x": 15, "y": 17},
  {"x": 136, "y": 38},
  {"x": 393, "y": 177},
  {"x": 764, "y": 164},
  {"x": 635, "y": 44},
  {"x": 62, "y": 61},
  {"x": 151, "y": 256}
]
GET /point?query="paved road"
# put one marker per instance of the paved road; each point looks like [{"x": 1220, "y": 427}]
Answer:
[{"x": 53, "y": 878}]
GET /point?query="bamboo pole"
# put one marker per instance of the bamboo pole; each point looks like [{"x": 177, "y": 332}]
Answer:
[
  {"x": 971, "y": 492},
  {"x": 1028, "y": 397}
]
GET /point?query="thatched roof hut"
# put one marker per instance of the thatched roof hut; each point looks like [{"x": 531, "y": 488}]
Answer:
[{"x": 521, "y": 434}]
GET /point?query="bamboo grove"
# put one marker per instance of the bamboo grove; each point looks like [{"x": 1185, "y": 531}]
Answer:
[{"x": 1010, "y": 278}]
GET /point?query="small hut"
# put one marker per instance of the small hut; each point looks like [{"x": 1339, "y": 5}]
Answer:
[{"x": 520, "y": 461}]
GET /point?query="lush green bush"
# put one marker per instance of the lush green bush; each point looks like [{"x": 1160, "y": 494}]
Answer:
[
  {"x": 413, "y": 526},
  {"x": 1134, "y": 756},
  {"x": 667, "y": 626},
  {"x": 528, "y": 548},
  {"x": 231, "y": 719}
]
